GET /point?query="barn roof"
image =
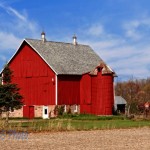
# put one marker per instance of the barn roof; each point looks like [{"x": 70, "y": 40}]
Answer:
[
  {"x": 66, "y": 58},
  {"x": 120, "y": 100}
]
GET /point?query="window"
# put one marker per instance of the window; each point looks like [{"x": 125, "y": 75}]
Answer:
[
  {"x": 99, "y": 69},
  {"x": 45, "y": 111}
]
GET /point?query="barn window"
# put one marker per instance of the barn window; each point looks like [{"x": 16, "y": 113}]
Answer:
[
  {"x": 45, "y": 111},
  {"x": 99, "y": 69}
]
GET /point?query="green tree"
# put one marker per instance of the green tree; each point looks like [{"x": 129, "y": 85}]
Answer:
[
  {"x": 128, "y": 90},
  {"x": 136, "y": 92},
  {"x": 10, "y": 98}
]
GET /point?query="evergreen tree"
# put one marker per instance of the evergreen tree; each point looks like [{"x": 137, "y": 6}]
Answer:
[{"x": 10, "y": 97}]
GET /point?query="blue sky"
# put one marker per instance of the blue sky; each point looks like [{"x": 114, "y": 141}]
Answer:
[{"x": 118, "y": 30}]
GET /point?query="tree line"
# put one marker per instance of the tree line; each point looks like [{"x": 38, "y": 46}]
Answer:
[{"x": 135, "y": 92}]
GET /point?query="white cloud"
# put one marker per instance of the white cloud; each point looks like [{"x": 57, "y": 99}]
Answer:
[
  {"x": 8, "y": 41},
  {"x": 135, "y": 29},
  {"x": 127, "y": 54},
  {"x": 127, "y": 57},
  {"x": 95, "y": 30},
  {"x": 11, "y": 11},
  {"x": 14, "y": 27},
  {"x": 19, "y": 24}
]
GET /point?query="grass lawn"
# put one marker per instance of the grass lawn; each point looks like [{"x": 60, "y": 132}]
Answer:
[
  {"x": 77, "y": 122},
  {"x": 73, "y": 122}
]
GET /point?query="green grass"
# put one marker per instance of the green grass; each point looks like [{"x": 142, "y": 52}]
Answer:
[
  {"x": 90, "y": 117},
  {"x": 74, "y": 122}
]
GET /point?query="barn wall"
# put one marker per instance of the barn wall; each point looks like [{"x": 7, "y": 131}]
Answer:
[
  {"x": 15, "y": 113},
  {"x": 34, "y": 77},
  {"x": 102, "y": 94},
  {"x": 68, "y": 89},
  {"x": 85, "y": 94},
  {"x": 96, "y": 94}
]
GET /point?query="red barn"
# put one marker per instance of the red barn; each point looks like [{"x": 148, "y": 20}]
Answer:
[{"x": 55, "y": 73}]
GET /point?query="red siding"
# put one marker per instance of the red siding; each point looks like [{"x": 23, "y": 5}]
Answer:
[
  {"x": 85, "y": 89},
  {"x": 85, "y": 94},
  {"x": 102, "y": 94},
  {"x": 34, "y": 77},
  {"x": 96, "y": 93},
  {"x": 68, "y": 89}
]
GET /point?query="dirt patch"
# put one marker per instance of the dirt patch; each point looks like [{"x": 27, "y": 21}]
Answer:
[{"x": 117, "y": 139}]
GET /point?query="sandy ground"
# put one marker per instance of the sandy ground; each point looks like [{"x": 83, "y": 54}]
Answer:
[{"x": 117, "y": 139}]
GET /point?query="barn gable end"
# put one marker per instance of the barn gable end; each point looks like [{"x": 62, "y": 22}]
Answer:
[{"x": 34, "y": 78}]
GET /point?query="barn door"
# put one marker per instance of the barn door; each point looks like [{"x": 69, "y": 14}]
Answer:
[
  {"x": 28, "y": 112},
  {"x": 45, "y": 112},
  {"x": 31, "y": 112}
]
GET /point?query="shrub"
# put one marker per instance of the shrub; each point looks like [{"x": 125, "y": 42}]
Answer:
[{"x": 59, "y": 110}]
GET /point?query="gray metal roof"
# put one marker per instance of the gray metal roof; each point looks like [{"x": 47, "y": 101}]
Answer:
[
  {"x": 120, "y": 100},
  {"x": 66, "y": 58}
]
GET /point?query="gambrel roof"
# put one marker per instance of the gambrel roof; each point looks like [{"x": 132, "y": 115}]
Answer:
[{"x": 66, "y": 58}]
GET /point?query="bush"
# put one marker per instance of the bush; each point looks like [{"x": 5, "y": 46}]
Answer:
[
  {"x": 59, "y": 110},
  {"x": 133, "y": 108}
]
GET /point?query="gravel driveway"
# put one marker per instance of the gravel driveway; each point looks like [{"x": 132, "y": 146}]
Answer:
[{"x": 117, "y": 139}]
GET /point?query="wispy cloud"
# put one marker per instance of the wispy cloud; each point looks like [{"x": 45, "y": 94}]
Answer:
[
  {"x": 123, "y": 44},
  {"x": 14, "y": 27},
  {"x": 136, "y": 29},
  {"x": 8, "y": 41},
  {"x": 95, "y": 30},
  {"x": 19, "y": 24},
  {"x": 12, "y": 11},
  {"x": 126, "y": 56}
]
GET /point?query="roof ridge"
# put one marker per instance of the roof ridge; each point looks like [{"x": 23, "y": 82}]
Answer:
[{"x": 57, "y": 42}]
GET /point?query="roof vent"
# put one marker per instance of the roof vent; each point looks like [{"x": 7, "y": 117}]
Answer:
[
  {"x": 43, "y": 36},
  {"x": 74, "y": 40}
]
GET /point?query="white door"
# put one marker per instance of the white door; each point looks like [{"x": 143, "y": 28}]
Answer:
[{"x": 45, "y": 112}]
